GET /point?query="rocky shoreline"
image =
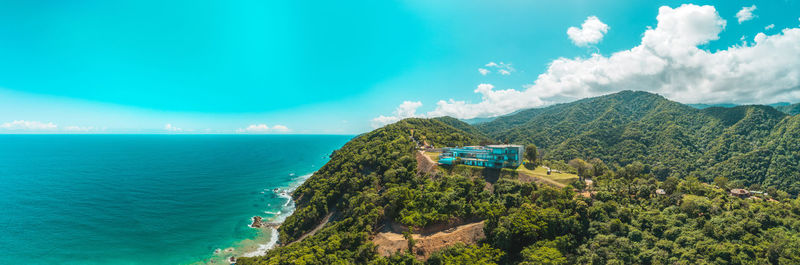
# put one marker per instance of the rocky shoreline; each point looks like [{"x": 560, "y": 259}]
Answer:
[
  {"x": 259, "y": 246},
  {"x": 258, "y": 222}
]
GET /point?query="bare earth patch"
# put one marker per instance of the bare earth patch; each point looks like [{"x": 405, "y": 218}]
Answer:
[
  {"x": 425, "y": 165},
  {"x": 425, "y": 245}
]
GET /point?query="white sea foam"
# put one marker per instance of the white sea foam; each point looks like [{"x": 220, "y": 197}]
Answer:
[
  {"x": 280, "y": 216},
  {"x": 262, "y": 249}
]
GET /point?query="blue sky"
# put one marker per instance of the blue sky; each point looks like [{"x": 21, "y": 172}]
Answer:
[{"x": 345, "y": 67}]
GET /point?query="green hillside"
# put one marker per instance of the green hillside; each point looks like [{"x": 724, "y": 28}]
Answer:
[
  {"x": 648, "y": 143},
  {"x": 675, "y": 139}
]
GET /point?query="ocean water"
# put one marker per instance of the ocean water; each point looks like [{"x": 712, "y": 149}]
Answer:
[{"x": 146, "y": 199}]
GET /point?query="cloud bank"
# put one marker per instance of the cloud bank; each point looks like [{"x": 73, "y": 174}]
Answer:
[
  {"x": 74, "y": 128},
  {"x": 590, "y": 32},
  {"x": 23, "y": 125},
  {"x": 406, "y": 110},
  {"x": 262, "y": 128},
  {"x": 171, "y": 128},
  {"x": 667, "y": 61}
]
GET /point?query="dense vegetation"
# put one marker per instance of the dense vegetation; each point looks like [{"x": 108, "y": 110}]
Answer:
[
  {"x": 647, "y": 143},
  {"x": 751, "y": 145},
  {"x": 793, "y": 109},
  {"x": 359, "y": 185}
]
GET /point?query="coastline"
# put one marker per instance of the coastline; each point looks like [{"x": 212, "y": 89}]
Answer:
[{"x": 267, "y": 237}]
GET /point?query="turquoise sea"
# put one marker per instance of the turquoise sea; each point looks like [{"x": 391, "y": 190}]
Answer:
[{"x": 147, "y": 199}]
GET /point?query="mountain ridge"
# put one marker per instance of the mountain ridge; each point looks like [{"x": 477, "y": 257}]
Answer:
[
  {"x": 661, "y": 199},
  {"x": 677, "y": 139}
]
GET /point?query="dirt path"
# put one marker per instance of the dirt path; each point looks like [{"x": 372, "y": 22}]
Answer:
[
  {"x": 425, "y": 245},
  {"x": 425, "y": 164},
  {"x": 314, "y": 231}
]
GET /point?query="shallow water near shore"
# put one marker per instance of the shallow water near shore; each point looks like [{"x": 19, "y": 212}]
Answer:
[{"x": 147, "y": 199}]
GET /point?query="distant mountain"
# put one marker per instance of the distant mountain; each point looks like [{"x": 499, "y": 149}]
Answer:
[
  {"x": 785, "y": 107},
  {"x": 474, "y": 121},
  {"x": 751, "y": 144},
  {"x": 792, "y": 109},
  {"x": 703, "y": 106},
  {"x": 780, "y": 104},
  {"x": 464, "y": 126}
]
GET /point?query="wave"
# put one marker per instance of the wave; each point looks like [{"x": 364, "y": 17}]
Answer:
[
  {"x": 262, "y": 249},
  {"x": 280, "y": 216}
]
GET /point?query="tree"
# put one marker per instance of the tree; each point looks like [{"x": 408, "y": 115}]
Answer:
[
  {"x": 598, "y": 167},
  {"x": 408, "y": 235},
  {"x": 584, "y": 169},
  {"x": 671, "y": 184},
  {"x": 542, "y": 255},
  {"x": 695, "y": 205},
  {"x": 721, "y": 182},
  {"x": 526, "y": 226},
  {"x": 463, "y": 254},
  {"x": 532, "y": 154}
]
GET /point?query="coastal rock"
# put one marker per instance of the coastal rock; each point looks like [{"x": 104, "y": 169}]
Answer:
[{"x": 256, "y": 222}]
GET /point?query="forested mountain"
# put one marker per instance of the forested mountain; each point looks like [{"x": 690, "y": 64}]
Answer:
[
  {"x": 793, "y": 109},
  {"x": 785, "y": 107},
  {"x": 746, "y": 143},
  {"x": 649, "y": 143},
  {"x": 358, "y": 188},
  {"x": 703, "y": 106},
  {"x": 472, "y": 130}
]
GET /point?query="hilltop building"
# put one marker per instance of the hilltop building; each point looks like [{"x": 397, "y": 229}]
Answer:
[
  {"x": 492, "y": 156},
  {"x": 741, "y": 193}
]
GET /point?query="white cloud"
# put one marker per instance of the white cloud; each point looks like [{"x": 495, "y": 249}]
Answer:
[
  {"x": 171, "y": 128},
  {"x": 406, "y": 110},
  {"x": 770, "y": 26},
  {"x": 280, "y": 128},
  {"x": 262, "y": 128},
  {"x": 493, "y": 103},
  {"x": 28, "y": 125},
  {"x": 254, "y": 128},
  {"x": 667, "y": 61},
  {"x": 745, "y": 14},
  {"x": 591, "y": 32},
  {"x": 74, "y": 128},
  {"x": 502, "y": 68}
]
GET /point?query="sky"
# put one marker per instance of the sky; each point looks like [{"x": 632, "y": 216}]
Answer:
[{"x": 346, "y": 67}]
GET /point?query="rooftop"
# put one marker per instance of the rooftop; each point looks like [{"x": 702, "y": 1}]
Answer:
[{"x": 503, "y": 145}]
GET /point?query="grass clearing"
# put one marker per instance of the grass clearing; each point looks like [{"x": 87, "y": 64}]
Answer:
[
  {"x": 541, "y": 172},
  {"x": 433, "y": 155}
]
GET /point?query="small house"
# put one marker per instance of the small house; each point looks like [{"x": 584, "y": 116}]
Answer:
[{"x": 741, "y": 193}]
